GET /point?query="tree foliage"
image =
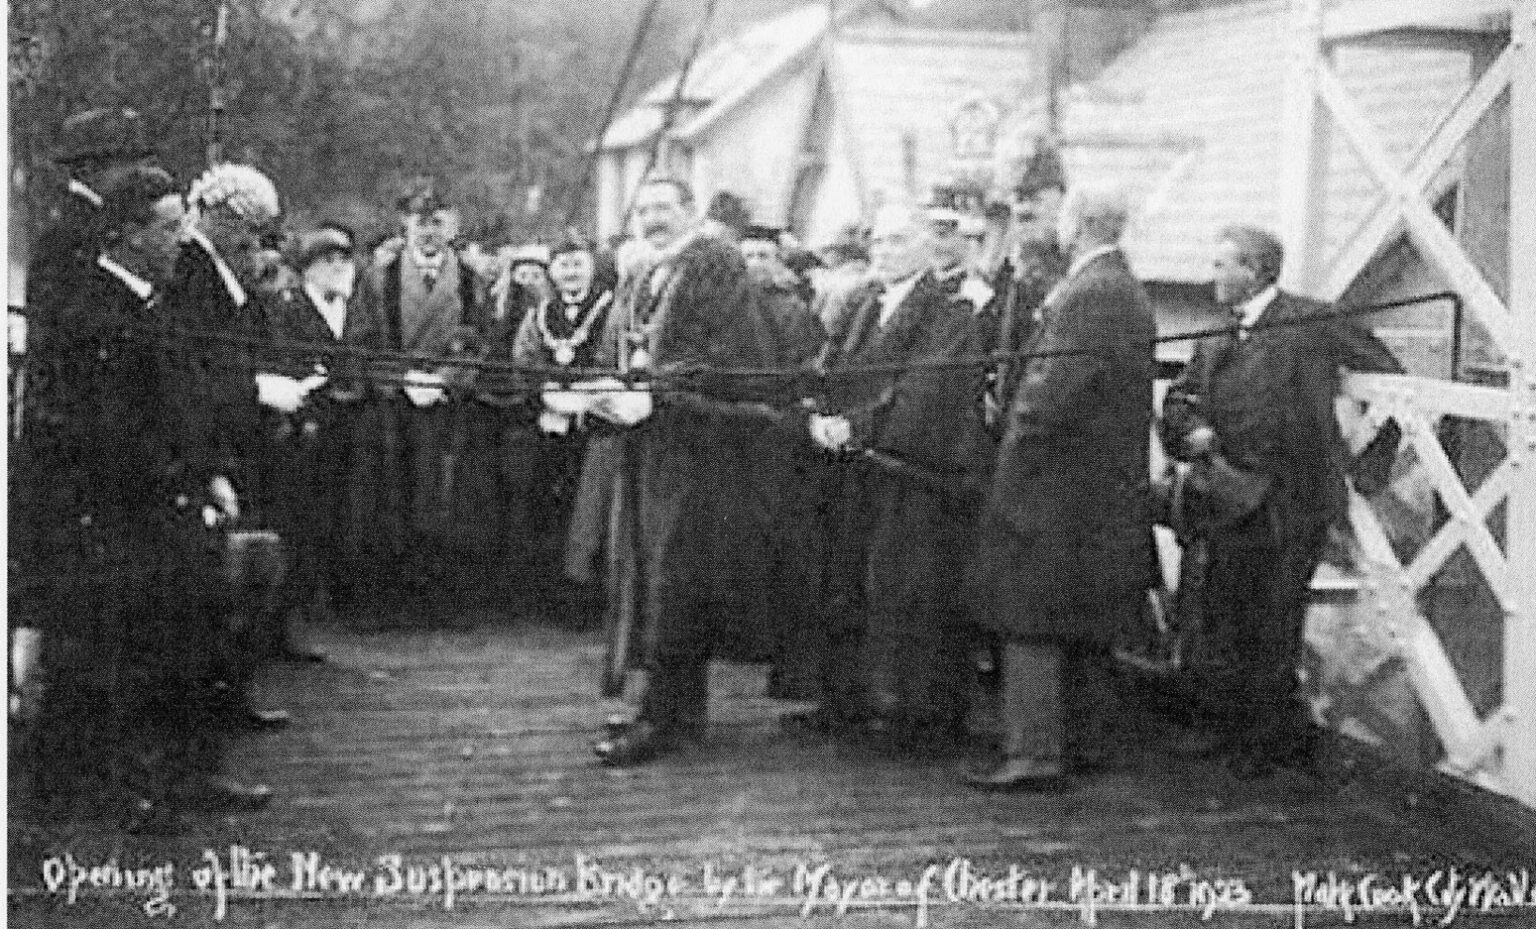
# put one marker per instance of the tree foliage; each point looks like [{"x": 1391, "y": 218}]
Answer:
[{"x": 343, "y": 100}]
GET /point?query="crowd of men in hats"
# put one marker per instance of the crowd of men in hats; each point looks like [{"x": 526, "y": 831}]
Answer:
[{"x": 867, "y": 465}]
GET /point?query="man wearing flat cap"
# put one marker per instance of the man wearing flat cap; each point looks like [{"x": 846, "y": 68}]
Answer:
[{"x": 429, "y": 299}]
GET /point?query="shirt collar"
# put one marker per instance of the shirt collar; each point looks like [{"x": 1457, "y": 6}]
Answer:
[
  {"x": 141, "y": 288},
  {"x": 334, "y": 313},
  {"x": 425, "y": 263},
  {"x": 231, "y": 282},
  {"x": 1086, "y": 258},
  {"x": 84, "y": 192},
  {"x": 895, "y": 294},
  {"x": 315, "y": 294},
  {"x": 1256, "y": 305}
]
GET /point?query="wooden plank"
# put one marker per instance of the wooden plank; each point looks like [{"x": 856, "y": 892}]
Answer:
[{"x": 1397, "y": 391}]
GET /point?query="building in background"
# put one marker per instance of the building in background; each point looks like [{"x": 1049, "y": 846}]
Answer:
[{"x": 817, "y": 119}]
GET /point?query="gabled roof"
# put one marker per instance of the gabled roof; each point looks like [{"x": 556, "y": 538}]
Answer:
[
  {"x": 895, "y": 84},
  {"x": 723, "y": 75},
  {"x": 1216, "y": 78}
]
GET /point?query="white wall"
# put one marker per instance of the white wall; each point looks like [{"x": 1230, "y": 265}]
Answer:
[
  {"x": 752, "y": 149},
  {"x": 837, "y": 200}
]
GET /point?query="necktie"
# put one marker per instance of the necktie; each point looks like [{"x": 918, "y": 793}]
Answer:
[
  {"x": 1239, "y": 326},
  {"x": 429, "y": 280}
]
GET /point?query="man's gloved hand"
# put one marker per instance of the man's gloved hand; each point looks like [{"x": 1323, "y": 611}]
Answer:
[
  {"x": 226, "y": 503},
  {"x": 833, "y": 433},
  {"x": 1200, "y": 442},
  {"x": 281, "y": 393},
  {"x": 424, "y": 388}
]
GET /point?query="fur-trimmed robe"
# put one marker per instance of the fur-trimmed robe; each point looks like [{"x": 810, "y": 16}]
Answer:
[{"x": 683, "y": 565}]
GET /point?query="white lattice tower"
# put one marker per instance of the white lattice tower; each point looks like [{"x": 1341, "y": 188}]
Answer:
[{"x": 1498, "y": 752}]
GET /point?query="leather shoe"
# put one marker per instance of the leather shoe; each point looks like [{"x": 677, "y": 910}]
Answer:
[
  {"x": 633, "y": 744},
  {"x": 265, "y": 720},
  {"x": 231, "y": 796},
  {"x": 1019, "y": 773}
]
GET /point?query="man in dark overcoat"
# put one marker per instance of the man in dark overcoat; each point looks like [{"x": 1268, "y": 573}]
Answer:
[
  {"x": 681, "y": 501},
  {"x": 901, "y": 539},
  {"x": 96, "y": 149},
  {"x": 1260, "y": 400},
  {"x": 1065, "y": 548},
  {"x": 117, "y": 562},
  {"x": 429, "y": 300}
]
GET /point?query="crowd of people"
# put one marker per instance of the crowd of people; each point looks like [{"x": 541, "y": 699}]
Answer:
[{"x": 876, "y": 466}]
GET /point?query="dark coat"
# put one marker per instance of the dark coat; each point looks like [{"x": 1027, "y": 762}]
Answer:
[
  {"x": 423, "y": 446},
  {"x": 528, "y": 346},
  {"x": 310, "y": 452},
  {"x": 1269, "y": 398},
  {"x": 97, "y": 432},
  {"x": 217, "y": 421},
  {"x": 117, "y": 569},
  {"x": 682, "y": 500},
  {"x": 62, "y": 256},
  {"x": 927, "y": 417},
  {"x": 1066, "y": 539},
  {"x": 1020, "y": 288},
  {"x": 903, "y": 528}
]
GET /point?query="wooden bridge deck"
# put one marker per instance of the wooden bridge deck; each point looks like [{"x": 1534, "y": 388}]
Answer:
[{"x": 471, "y": 739}]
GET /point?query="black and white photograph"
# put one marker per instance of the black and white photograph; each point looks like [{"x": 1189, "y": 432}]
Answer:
[{"x": 786, "y": 463}]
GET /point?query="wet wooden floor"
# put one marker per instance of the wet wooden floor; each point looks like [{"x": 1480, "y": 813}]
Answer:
[{"x": 469, "y": 740}]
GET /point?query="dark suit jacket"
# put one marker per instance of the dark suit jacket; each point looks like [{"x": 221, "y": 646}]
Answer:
[
  {"x": 925, "y": 416},
  {"x": 1067, "y": 536},
  {"x": 1269, "y": 397},
  {"x": 97, "y": 443},
  {"x": 217, "y": 422},
  {"x": 302, "y": 340}
]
